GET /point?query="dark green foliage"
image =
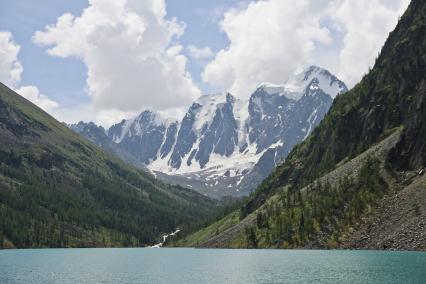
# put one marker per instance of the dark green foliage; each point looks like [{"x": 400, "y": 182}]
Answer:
[
  {"x": 298, "y": 218},
  {"x": 11, "y": 158},
  {"x": 251, "y": 237},
  {"x": 58, "y": 190}
]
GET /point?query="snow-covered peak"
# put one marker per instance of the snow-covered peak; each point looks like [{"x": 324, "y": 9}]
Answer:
[
  {"x": 297, "y": 84},
  {"x": 270, "y": 88},
  {"x": 208, "y": 105},
  {"x": 150, "y": 117},
  {"x": 137, "y": 125},
  {"x": 212, "y": 99},
  {"x": 225, "y": 143}
]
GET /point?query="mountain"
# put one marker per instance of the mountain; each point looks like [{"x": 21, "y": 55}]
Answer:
[
  {"x": 225, "y": 146},
  {"x": 96, "y": 134},
  {"x": 59, "y": 190},
  {"x": 358, "y": 180}
]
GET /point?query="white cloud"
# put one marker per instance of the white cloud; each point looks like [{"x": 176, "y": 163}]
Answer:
[
  {"x": 199, "y": 52},
  {"x": 366, "y": 24},
  {"x": 268, "y": 41},
  {"x": 108, "y": 117},
  {"x": 135, "y": 62},
  {"x": 10, "y": 67},
  {"x": 33, "y": 94},
  {"x": 11, "y": 70},
  {"x": 74, "y": 113},
  {"x": 130, "y": 52},
  {"x": 272, "y": 38}
]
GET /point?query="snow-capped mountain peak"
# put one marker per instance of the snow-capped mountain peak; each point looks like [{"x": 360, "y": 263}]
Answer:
[
  {"x": 206, "y": 108},
  {"x": 270, "y": 88},
  {"x": 295, "y": 85},
  {"x": 225, "y": 145}
]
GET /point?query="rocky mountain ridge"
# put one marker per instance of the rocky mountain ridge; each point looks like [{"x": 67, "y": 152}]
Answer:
[{"x": 224, "y": 145}]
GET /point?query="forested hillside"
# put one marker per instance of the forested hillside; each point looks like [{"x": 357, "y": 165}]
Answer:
[
  {"x": 59, "y": 190},
  {"x": 369, "y": 149}
]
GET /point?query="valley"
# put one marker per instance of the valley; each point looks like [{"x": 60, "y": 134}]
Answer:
[
  {"x": 303, "y": 164},
  {"x": 59, "y": 190},
  {"x": 217, "y": 141}
]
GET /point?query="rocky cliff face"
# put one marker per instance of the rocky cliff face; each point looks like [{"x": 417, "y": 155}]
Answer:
[{"x": 224, "y": 145}]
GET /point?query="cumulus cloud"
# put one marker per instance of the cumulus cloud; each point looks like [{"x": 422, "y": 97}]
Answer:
[
  {"x": 11, "y": 70},
  {"x": 10, "y": 67},
  {"x": 269, "y": 40},
  {"x": 199, "y": 52},
  {"x": 135, "y": 62},
  {"x": 130, "y": 50},
  {"x": 366, "y": 25},
  {"x": 33, "y": 94}
]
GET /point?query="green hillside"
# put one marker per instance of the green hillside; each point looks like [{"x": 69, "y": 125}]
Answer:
[
  {"x": 58, "y": 190},
  {"x": 369, "y": 149}
]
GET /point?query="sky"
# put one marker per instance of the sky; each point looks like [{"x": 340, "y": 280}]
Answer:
[{"x": 105, "y": 60}]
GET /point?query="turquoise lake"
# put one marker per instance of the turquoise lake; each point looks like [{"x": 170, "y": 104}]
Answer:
[{"x": 209, "y": 266}]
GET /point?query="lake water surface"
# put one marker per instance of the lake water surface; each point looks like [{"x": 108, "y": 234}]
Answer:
[{"x": 209, "y": 266}]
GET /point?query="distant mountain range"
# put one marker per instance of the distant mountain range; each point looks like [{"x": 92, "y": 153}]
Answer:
[{"x": 224, "y": 146}]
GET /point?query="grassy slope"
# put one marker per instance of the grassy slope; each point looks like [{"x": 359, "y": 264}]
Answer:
[
  {"x": 58, "y": 190},
  {"x": 390, "y": 97}
]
